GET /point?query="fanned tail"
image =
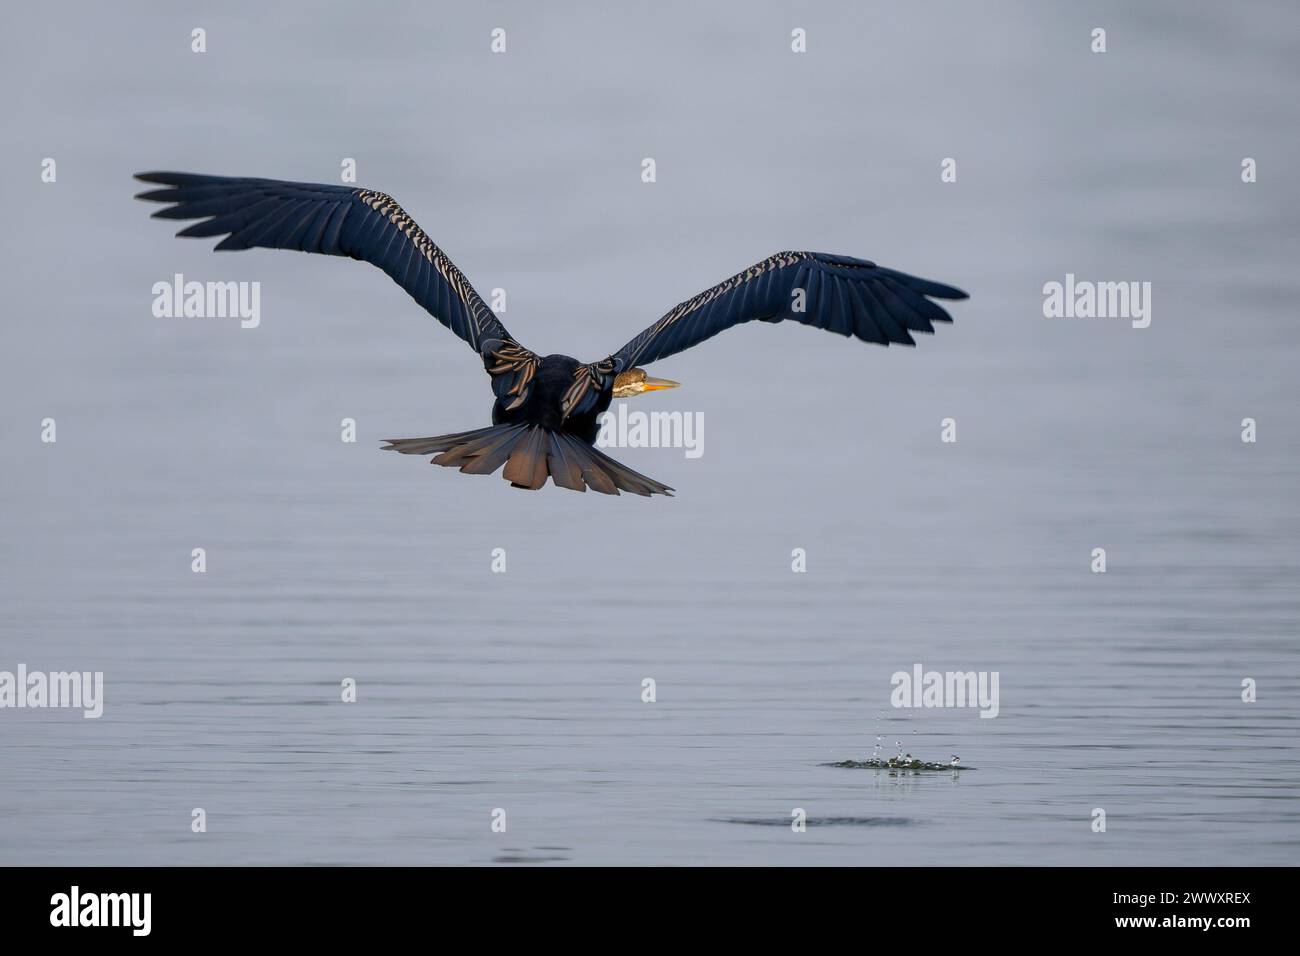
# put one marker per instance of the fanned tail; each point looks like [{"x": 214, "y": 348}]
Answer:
[{"x": 531, "y": 454}]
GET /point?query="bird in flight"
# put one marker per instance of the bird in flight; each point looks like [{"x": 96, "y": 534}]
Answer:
[{"x": 545, "y": 418}]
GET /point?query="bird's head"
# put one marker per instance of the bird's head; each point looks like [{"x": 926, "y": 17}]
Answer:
[{"x": 635, "y": 381}]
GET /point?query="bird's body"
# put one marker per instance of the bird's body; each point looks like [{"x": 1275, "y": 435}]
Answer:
[
  {"x": 545, "y": 403},
  {"x": 535, "y": 439},
  {"x": 545, "y": 418}
]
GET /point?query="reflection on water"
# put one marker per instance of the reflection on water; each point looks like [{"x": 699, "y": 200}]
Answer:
[{"x": 828, "y": 822}]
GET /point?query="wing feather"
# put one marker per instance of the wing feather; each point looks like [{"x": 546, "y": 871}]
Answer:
[
  {"x": 331, "y": 220},
  {"x": 840, "y": 294},
  {"x": 344, "y": 221}
]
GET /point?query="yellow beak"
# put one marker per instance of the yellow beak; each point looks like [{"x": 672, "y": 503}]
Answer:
[{"x": 655, "y": 384}]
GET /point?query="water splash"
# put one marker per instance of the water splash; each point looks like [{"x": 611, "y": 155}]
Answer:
[{"x": 902, "y": 762}]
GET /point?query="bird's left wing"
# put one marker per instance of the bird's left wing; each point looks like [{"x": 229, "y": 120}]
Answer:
[
  {"x": 849, "y": 296},
  {"x": 337, "y": 221}
]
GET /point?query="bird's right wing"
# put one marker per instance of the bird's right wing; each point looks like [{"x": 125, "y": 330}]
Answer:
[
  {"x": 346, "y": 221},
  {"x": 837, "y": 293}
]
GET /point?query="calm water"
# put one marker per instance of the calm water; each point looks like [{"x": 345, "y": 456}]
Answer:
[{"x": 523, "y": 690}]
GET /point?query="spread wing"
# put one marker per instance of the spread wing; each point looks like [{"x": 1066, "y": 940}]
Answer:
[
  {"x": 849, "y": 296},
  {"x": 346, "y": 221}
]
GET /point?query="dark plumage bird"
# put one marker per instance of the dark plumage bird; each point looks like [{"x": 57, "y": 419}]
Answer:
[{"x": 544, "y": 420}]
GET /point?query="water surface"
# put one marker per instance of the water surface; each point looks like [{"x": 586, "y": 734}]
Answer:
[{"x": 522, "y": 690}]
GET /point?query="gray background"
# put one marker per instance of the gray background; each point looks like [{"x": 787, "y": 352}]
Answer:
[{"x": 522, "y": 690}]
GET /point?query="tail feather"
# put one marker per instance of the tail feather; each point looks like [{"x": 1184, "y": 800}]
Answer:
[
  {"x": 530, "y": 455},
  {"x": 483, "y": 457},
  {"x": 527, "y": 465},
  {"x": 565, "y": 470},
  {"x": 625, "y": 477},
  {"x": 427, "y": 446}
]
